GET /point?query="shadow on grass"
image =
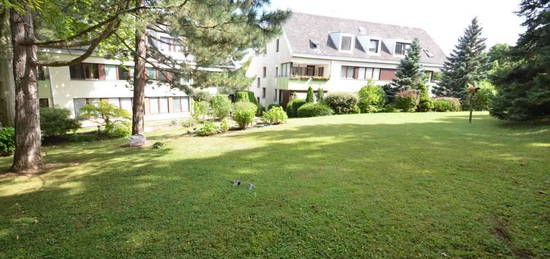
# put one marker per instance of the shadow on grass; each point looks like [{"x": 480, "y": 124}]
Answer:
[{"x": 347, "y": 189}]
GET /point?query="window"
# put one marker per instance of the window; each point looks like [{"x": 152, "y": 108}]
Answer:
[
  {"x": 276, "y": 71},
  {"x": 258, "y": 99},
  {"x": 428, "y": 53},
  {"x": 165, "y": 75},
  {"x": 180, "y": 103},
  {"x": 78, "y": 103},
  {"x": 168, "y": 44},
  {"x": 360, "y": 73},
  {"x": 277, "y": 46},
  {"x": 110, "y": 72},
  {"x": 125, "y": 73},
  {"x": 151, "y": 73},
  {"x": 258, "y": 83},
  {"x": 264, "y": 72},
  {"x": 153, "y": 105},
  {"x": 84, "y": 71},
  {"x": 275, "y": 96},
  {"x": 373, "y": 46},
  {"x": 263, "y": 93},
  {"x": 41, "y": 73},
  {"x": 44, "y": 102},
  {"x": 401, "y": 48},
  {"x": 310, "y": 70},
  {"x": 320, "y": 71},
  {"x": 285, "y": 69},
  {"x": 163, "y": 105},
  {"x": 126, "y": 104},
  {"x": 176, "y": 103},
  {"x": 345, "y": 44},
  {"x": 387, "y": 74}
]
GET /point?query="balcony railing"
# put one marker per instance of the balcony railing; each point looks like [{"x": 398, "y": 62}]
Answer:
[{"x": 305, "y": 78}]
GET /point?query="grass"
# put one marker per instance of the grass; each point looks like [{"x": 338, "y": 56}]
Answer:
[{"x": 369, "y": 185}]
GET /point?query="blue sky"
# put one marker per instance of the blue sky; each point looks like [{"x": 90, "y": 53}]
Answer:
[{"x": 444, "y": 20}]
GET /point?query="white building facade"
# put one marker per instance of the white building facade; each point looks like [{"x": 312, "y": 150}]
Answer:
[{"x": 337, "y": 55}]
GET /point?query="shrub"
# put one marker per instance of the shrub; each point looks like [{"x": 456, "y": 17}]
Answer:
[
  {"x": 407, "y": 100},
  {"x": 248, "y": 96},
  {"x": 118, "y": 130},
  {"x": 189, "y": 123},
  {"x": 56, "y": 122},
  {"x": 208, "y": 129},
  {"x": 107, "y": 115},
  {"x": 7, "y": 141},
  {"x": 314, "y": 110},
  {"x": 371, "y": 98},
  {"x": 425, "y": 103},
  {"x": 446, "y": 104},
  {"x": 224, "y": 125},
  {"x": 320, "y": 95},
  {"x": 201, "y": 96},
  {"x": 221, "y": 106},
  {"x": 158, "y": 145},
  {"x": 292, "y": 107},
  {"x": 391, "y": 108},
  {"x": 272, "y": 105},
  {"x": 309, "y": 96},
  {"x": 241, "y": 96},
  {"x": 342, "y": 103},
  {"x": 200, "y": 109},
  {"x": 243, "y": 113},
  {"x": 483, "y": 97},
  {"x": 275, "y": 115}
]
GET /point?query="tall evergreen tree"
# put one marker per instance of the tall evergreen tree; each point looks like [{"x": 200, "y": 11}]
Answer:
[
  {"x": 523, "y": 80},
  {"x": 409, "y": 72},
  {"x": 465, "y": 65}
]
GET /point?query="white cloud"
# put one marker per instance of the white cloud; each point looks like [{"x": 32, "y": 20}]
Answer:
[{"x": 444, "y": 20}]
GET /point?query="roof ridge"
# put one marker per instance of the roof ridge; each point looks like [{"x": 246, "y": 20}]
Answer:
[{"x": 356, "y": 20}]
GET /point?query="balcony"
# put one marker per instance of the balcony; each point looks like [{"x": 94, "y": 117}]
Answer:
[{"x": 303, "y": 76}]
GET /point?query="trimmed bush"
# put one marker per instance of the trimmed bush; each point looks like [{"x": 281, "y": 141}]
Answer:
[
  {"x": 272, "y": 105},
  {"x": 208, "y": 129},
  {"x": 244, "y": 113},
  {"x": 119, "y": 130},
  {"x": 407, "y": 100},
  {"x": 309, "y": 96},
  {"x": 425, "y": 103},
  {"x": 7, "y": 141},
  {"x": 292, "y": 107},
  {"x": 342, "y": 103},
  {"x": 248, "y": 96},
  {"x": 371, "y": 98},
  {"x": 241, "y": 96},
  {"x": 320, "y": 95},
  {"x": 275, "y": 115},
  {"x": 314, "y": 110},
  {"x": 201, "y": 96},
  {"x": 200, "y": 109},
  {"x": 56, "y": 122},
  {"x": 447, "y": 104},
  {"x": 221, "y": 106}
]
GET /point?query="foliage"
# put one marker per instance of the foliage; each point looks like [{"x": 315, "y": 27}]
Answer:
[
  {"x": 248, "y": 96},
  {"x": 275, "y": 115},
  {"x": 221, "y": 106},
  {"x": 7, "y": 141},
  {"x": 466, "y": 64},
  {"x": 208, "y": 129},
  {"x": 107, "y": 115},
  {"x": 305, "y": 78},
  {"x": 371, "y": 98},
  {"x": 310, "y": 95},
  {"x": 158, "y": 145},
  {"x": 407, "y": 100},
  {"x": 244, "y": 113},
  {"x": 483, "y": 98},
  {"x": 342, "y": 102},
  {"x": 447, "y": 104},
  {"x": 272, "y": 105},
  {"x": 224, "y": 125},
  {"x": 314, "y": 110},
  {"x": 522, "y": 78},
  {"x": 292, "y": 107},
  {"x": 189, "y": 123},
  {"x": 425, "y": 103},
  {"x": 409, "y": 72},
  {"x": 56, "y": 122},
  {"x": 242, "y": 96},
  {"x": 320, "y": 95},
  {"x": 201, "y": 96},
  {"x": 391, "y": 108},
  {"x": 200, "y": 109},
  {"x": 118, "y": 129}
]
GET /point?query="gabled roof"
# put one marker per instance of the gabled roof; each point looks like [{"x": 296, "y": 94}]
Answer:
[{"x": 303, "y": 29}]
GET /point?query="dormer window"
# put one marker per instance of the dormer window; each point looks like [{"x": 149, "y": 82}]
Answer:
[
  {"x": 313, "y": 44},
  {"x": 428, "y": 53},
  {"x": 345, "y": 43},
  {"x": 374, "y": 46},
  {"x": 401, "y": 48}
]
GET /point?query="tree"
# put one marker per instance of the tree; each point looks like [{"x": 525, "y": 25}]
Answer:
[
  {"x": 309, "y": 96},
  {"x": 523, "y": 81},
  {"x": 320, "y": 94},
  {"x": 466, "y": 64},
  {"x": 34, "y": 24},
  {"x": 409, "y": 72}
]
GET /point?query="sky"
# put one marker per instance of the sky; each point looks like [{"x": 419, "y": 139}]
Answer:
[{"x": 444, "y": 20}]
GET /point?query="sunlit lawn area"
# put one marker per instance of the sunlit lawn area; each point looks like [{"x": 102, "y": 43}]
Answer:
[{"x": 393, "y": 185}]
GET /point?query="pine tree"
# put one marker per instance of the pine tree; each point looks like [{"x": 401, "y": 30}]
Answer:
[
  {"x": 523, "y": 78},
  {"x": 466, "y": 64},
  {"x": 409, "y": 72},
  {"x": 309, "y": 96}
]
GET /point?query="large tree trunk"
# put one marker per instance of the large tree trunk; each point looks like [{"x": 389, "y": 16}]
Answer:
[
  {"x": 27, "y": 156},
  {"x": 139, "y": 81}
]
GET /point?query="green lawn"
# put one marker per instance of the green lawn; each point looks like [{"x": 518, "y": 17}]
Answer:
[{"x": 388, "y": 185}]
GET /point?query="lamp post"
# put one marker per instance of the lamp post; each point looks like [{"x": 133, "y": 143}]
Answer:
[{"x": 472, "y": 90}]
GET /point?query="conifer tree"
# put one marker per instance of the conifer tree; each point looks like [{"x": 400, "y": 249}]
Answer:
[
  {"x": 466, "y": 64},
  {"x": 409, "y": 72},
  {"x": 309, "y": 96}
]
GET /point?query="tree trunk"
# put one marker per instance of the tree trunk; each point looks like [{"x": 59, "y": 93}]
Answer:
[
  {"x": 140, "y": 80},
  {"x": 27, "y": 156}
]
